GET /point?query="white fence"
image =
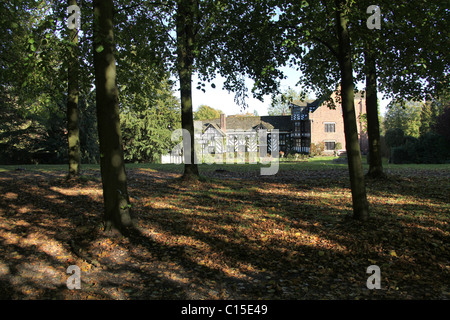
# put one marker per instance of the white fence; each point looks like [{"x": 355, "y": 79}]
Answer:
[{"x": 170, "y": 158}]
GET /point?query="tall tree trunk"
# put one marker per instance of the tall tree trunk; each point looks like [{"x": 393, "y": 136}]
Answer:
[
  {"x": 117, "y": 213},
  {"x": 360, "y": 204},
  {"x": 185, "y": 51},
  {"x": 373, "y": 124},
  {"x": 73, "y": 131}
]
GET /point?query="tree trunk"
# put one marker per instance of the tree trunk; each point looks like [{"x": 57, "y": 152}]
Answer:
[
  {"x": 117, "y": 213},
  {"x": 185, "y": 51},
  {"x": 73, "y": 131},
  {"x": 360, "y": 204},
  {"x": 373, "y": 124}
]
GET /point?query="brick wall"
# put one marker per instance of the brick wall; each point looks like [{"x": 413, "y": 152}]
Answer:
[{"x": 323, "y": 115}]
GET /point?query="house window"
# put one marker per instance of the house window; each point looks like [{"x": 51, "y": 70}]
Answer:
[
  {"x": 282, "y": 139},
  {"x": 297, "y": 126},
  {"x": 330, "y": 145},
  {"x": 330, "y": 127}
]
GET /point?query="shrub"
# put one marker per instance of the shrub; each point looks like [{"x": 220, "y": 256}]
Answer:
[
  {"x": 395, "y": 137},
  {"x": 433, "y": 148},
  {"x": 296, "y": 156},
  {"x": 429, "y": 148},
  {"x": 317, "y": 149},
  {"x": 399, "y": 155}
]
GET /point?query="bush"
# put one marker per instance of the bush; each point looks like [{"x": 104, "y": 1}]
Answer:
[
  {"x": 433, "y": 148},
  {"x": 296, "y": 156},
  {"x": 385, "y": 152},
  {"x": 429, "y": 148},
  {"x": 395, "y": 137},
  {"x": 317, "y": 149},
  {"x": 401, "y": 155}
]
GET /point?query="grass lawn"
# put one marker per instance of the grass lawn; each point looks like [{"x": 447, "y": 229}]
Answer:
[
  {"x": 315, "y": 163},
  {"x": 234, "y": 235}
]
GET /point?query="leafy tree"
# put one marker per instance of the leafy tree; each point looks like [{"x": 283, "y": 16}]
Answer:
[
  {"x": 29, "y": 77},
  {"x": 209, "y": 37},
  {"x": 404, "y": 115},
  {"x": 395, "y": 137},
  {"x": 20, "y": 136},
  {"x": 428, "y": 116},
  {"x": 360, "y": 204},
  {"x": 405, "y": 58},
  {"x": 147, "y": 125},
  {"x": 115, "y": 194},
  {"x": 281, "y": 103},
  {"x": 37, "y": 77},
  {"x": 186, "y": 17},
  {"x": 428, "y": 148},
  {"x": 441, "y": 125},
  {"x": 73, "y": 130},
  {"x": 326, "y": 24},
  {"x": 205, "y": 112}
]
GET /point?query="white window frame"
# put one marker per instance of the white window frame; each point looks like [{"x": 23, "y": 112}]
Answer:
[{"x": 325, "y": 127}]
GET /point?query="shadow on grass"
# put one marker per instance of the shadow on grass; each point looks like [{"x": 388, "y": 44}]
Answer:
[{"x": 220, "y": 239}]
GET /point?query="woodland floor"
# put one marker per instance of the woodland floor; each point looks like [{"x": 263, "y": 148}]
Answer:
[{"x": 231, "y": 236}]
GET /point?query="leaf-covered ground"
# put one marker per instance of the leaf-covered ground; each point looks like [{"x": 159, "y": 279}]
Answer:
[{"x": 231, "y": 236}]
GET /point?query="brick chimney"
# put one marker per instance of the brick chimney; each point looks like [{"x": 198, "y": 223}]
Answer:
[{"x": 223, "y": 122}]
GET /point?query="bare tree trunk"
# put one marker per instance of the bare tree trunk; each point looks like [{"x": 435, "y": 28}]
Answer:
[
  {"x": 117, "y": 213},
  {"x": 360, "y": 204},
  {"x": 73, "y": 131},
  {"x": 373, "y": 124},
  {"x": 185, "y": 50}
]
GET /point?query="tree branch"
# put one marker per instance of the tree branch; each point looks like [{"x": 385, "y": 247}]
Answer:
[
  {"x": 127, "y": 8},
  {"x": 326, "y": 44},
  {"x": 137, "y": 5}
]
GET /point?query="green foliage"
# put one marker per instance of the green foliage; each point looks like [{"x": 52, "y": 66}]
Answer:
[
  {"x": 429, "y": 148},
  {"x": 19, "y": 136},
  {"x": 406, "y": 116},
  {"x": 442, "y": 123},
  {"x": 147, "y": 128},
  {"x": 317, "y": 149},
  {"x": 88, "y": 129},
  {"x": 412, "y": 133},
  {"x": 205, "y": 112},
  {"x": 42, "y": 137},
  {"x": 280, "y": 103},
  {"x": 296, "y": 156},
  {"x": 394, "y": 137},
  {"x": 147, "y": 134}
]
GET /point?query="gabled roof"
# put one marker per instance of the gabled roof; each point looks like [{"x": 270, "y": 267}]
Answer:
[
  {"x": 312, "y": 105},
  {"x": 238, "y": 123},
  {"x": 282, "y": 123},
  {"x": 300, "y": 103},
  {"x": 215, "y": 126}
]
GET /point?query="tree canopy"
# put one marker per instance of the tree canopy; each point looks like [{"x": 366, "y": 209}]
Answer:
[{"x": 205, "y": 112}]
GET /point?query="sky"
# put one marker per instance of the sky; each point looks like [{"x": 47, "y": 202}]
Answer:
[{"x": 223, "y": 100}]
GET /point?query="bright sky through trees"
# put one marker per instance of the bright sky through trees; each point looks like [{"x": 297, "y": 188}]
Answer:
[{"x": 221, "y": 99}]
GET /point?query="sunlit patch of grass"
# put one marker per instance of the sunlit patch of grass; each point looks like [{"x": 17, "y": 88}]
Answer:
[{"x": 245, "y": 238}]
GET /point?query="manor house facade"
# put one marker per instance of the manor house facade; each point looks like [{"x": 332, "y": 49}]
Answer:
[{"x": 309, "y": 123}]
